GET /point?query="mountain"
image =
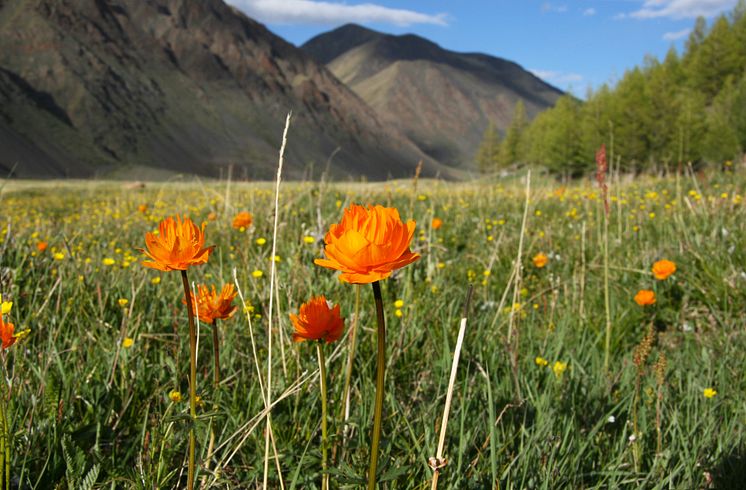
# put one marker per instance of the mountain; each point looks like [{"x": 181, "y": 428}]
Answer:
[
  {"x": 152, "y": 87},
  {"x": 442, "y": 100}
]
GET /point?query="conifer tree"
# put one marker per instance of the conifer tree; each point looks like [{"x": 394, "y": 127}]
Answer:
[
  {"x": 720, "y": 140},
  {"x": 489, "y": 148},
  {"x": 510, "y": 147}
]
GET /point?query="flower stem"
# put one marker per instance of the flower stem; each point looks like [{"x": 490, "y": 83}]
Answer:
[
  {"x": 324, "y": 437},
  {"x": 192, "y": 378},
  {"x": 4, "y": 448},
  {"x": 216, "y": 352},
  {"x": 607, "y": 307},
  {"x": 380, "y": 374}
]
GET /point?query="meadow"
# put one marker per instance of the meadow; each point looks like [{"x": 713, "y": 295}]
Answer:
[{"x": 96, "y": 393}]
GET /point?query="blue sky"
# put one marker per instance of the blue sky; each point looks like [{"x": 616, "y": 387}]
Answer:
[{"x": 571, "y": 44}]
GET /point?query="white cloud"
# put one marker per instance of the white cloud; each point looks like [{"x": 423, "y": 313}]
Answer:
[
  {"x": 589, "y": 12},
  {"x": 550, "y": 7},
  {"x": 319, "y": 12},
  {"x": 556, "y": 77},
  {"x": 673, "y": 36},
  {"x": 682, "y": 9}
]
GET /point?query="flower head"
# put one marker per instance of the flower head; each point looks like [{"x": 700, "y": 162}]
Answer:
[
  {"x": 540, "y": 260},
  {"x": 709, "y": 392},
  {"x": 558, "y": 368},
  {"x": 41, "y": 246},
  {"x": 175, "y": 396},
  {"x": 541, "y": 362},
  {"x": 8, "y": 335},
  {"x": 211, "y": 305},
  {"x": 5, "y": 306},
  {"x": 663, "y": 268},
  {"x": 242, "y": 220},
  {"x": 437, "y": 223},
  {"x": 316, "y": 320},
  {"x": 368, "y": 244},
  {"x": 645, "y": 297},
  {"x": 178, "y": 245}
]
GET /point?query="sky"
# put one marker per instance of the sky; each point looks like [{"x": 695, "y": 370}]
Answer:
[{"x": 574, "y": 45}]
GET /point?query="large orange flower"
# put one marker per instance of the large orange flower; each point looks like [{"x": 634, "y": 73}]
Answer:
[
  {"x": 178, "y": 245},
  {"x": 663, "y": 268},
  {"x": 211, "y": 306},
  {"x": 368, "y": 244},
  {"x": 317, "y": 321}
]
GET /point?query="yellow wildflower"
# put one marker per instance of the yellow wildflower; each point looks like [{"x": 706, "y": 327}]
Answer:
[{"x": 558, "y": 368}]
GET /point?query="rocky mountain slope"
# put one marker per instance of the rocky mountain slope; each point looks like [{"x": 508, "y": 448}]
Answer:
[
  {"x": 121, "y": 87},
  {"x": 442, "y": 100}
]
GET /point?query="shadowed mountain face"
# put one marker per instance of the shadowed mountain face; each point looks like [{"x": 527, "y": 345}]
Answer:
[
  {"x": 94, "y": 87},
  {"x": 441, "y": 100}
]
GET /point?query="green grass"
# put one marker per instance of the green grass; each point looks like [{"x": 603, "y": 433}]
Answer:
[{"x": 557, "y": 436}]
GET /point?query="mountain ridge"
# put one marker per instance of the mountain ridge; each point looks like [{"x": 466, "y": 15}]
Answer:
[
  {"x": 178, "y": 85},
  {"x": 401, "y": 76}
]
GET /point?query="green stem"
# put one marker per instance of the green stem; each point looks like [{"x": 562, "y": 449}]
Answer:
[
  {"x": 380, "y": 374},
  {"x": 324, "y": 439},
  {"x": 4, "y": 461},
  {"x": 192, "y": 379},
  {"x": 8, "y": 443},
  {"x": 606, "y": 293},
  {"x": 636, "y": 443},
  {"x": 216, "y": 352}
]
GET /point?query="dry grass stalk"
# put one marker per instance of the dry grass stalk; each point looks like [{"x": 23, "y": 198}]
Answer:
[
  {"x": 272, "y": 275},
  {"x": 438, "y": 462}
]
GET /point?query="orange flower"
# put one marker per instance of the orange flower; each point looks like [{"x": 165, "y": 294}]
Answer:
[
  {"x": 177, "y": 246},
  {"x": 368, "y": 244},
  {"x": 437, "y": 223},
  {"x": 663, "y": 268},
  {"x": 540, "y": 260},
  {"x": 42, "y": 246},
  {"x": 242, "y": 220},
  {"x": 7, "y": 331},
  {"x": 143, "y": 208},
  {"x": 317, "y": 321},
  {"x": 212, "y": 306},
  {"x": 645, "y": 297}
]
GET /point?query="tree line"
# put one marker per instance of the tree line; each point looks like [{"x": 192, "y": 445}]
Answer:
[{"x": 690, "y": 107}]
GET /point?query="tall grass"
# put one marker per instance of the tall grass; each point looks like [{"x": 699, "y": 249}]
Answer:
[{"x": 568, "y": 431}]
